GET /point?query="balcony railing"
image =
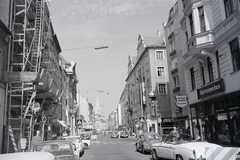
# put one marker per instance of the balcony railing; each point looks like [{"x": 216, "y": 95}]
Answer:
[
  {"x": 174, "y": 70},
  {"x": 176, "y": 89}
]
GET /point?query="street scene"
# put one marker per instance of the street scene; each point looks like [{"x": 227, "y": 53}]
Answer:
[{"x": 122, "y": 80}]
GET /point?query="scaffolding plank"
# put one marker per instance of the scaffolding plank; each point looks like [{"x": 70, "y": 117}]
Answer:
[{"x": 20, "y": 76}]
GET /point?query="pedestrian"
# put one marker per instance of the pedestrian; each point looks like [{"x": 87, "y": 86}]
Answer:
[
  {"x": 36, "y": 138},
  {"x": 196, "y": 133}
]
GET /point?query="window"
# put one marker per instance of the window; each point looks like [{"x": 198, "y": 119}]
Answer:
[
  {"x": 202, "y": 73},
  {"x": 210, "y": 70},
  {"x": 159, "y": 55},
  {"x": 228, "y": 7},
  {"x": 193, "y": 85},
  {"x": 171, "y": 46},
  {"x": 218, "y": 64},
  {"x": 234, "y": 45},
  {"x": 191, "y": 24},
  {"x": 174, "y": 63},
  {"x": 162, "y": 88},
  {"x": 202, "y": 19},
  {"x": 160, "y": 72},
  {"x": 175, "y": 82}
]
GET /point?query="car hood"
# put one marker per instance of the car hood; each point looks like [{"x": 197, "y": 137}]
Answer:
[{"x": 65, "y": 157}]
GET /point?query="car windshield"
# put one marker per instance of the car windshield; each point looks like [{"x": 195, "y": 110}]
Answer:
[
  {"x": 56, "y": 149},
  {"x": 183, "y": 138}
]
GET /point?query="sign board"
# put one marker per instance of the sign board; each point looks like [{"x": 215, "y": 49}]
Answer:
[
  {"x": 181, "y": 101},
  {"x": 79, "y": 122},
  {"x": 211, "y": 89},
  {"x": 142, "y": 119},
  {"x": 23, "y": 142},
  {"x": 44, "y": 119}
]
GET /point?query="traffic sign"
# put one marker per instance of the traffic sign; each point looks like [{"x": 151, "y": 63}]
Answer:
[
  {"x": 142, "y": 119},
  {"x": 79, "y": 122},
  {"x": 44, "y": 119}
]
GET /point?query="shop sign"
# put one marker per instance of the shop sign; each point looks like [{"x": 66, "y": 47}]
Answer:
[
  {"x": 181, "y": 101},
  {"x": 211, "y": 89},
  {"x": 167, "y": 120}
]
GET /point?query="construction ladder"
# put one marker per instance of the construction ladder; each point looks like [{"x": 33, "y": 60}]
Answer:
[{"x": 22, "y": 94}]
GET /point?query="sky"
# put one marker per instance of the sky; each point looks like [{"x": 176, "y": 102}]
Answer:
[{"x": 83, "y": 25}]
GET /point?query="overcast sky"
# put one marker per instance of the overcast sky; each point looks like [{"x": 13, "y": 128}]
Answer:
[{"x": 82, "y": 25}]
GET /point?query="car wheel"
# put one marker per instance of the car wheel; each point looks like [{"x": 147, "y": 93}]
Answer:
[
  {"x": 85, "y": 145},
  {"x": 154, "y": 155},
  {"x": 179, "y": 157}
]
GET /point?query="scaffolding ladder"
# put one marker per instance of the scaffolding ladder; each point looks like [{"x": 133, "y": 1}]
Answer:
[{"x": 25, "y": 58}]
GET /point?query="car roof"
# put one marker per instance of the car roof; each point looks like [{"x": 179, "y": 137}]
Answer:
[
  {"x": 52, "y": 142},
  {"x": 28, "y": 155},
  {"x": 70, "y": 136}
]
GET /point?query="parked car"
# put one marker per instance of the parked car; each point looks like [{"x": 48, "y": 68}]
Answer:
[
  {"x": 77, "y": 141},
  {"x": 27, "y": 156},
  {"x": 86, "y": 139},
  {"x": 114, "y": 135},
  {"x": 61, "y": 149},
  {"x": 180, "y": 148},
  {"x": 123, "y": 134},
  {"x": 146, "y": 140}
]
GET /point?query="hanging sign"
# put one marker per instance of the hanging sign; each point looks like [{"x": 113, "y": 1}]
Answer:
[{"x": 181, "y": 101}]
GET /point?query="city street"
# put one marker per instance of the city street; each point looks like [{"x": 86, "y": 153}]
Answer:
[{"x": 107, "y": 148}]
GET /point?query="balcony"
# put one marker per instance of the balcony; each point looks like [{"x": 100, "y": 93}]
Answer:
[
  {"x": 176, "y": 89},
  {"x": 200, "y": 41},
  {"x": 173, "y": 53},
  {"x": 175, "y": 70},
  {"x": 171, "y": 36}
]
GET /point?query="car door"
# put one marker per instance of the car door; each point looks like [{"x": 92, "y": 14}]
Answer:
[{"x": 166, "y": 150}]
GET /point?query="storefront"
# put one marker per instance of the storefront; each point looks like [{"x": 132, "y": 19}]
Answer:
[{"x": 218, "y": 120}]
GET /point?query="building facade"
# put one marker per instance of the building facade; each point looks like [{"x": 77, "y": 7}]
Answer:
[
  {"x": 147, "y": 86},
  {"x": 179, "y": 100},
  {"x": 38, "y": 89},
  {"x": 210, "y": 46}
]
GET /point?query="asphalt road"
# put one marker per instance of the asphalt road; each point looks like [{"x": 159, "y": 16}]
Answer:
[{"x": 107, "y": 148}]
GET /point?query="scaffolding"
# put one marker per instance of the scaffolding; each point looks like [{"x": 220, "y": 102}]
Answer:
[{"x": 30, "y": 26}]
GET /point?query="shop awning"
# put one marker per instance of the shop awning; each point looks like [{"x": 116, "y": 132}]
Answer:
[{"x": 63, "y": 123}]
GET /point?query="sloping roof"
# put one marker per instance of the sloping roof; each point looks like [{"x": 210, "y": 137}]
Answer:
[{"x": 154, "y": 41}]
